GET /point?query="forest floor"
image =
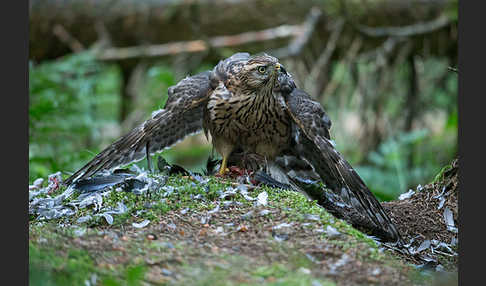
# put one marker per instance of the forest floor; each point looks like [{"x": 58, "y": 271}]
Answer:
[{"x": 197, "y": 230}]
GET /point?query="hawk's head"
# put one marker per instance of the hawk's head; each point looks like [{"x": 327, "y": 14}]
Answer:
[{"x": 259, "y": 72}]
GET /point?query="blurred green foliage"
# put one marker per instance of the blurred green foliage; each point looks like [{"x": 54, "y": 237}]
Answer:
[
  {"x": 70, "y": 101},
  {"x": 389, "y": 172},
  {"x": 49, "y": 266},
  {"x": 404, "y": 158},
  {"x": 156, "y": 80},
  {"x": 74, "y": 106}
]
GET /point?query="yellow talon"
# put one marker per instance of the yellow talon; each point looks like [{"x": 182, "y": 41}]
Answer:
[{"x": 222, "y": 169}]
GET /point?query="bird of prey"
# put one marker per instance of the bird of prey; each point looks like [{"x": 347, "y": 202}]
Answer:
[{"x": 250, "y": 104}]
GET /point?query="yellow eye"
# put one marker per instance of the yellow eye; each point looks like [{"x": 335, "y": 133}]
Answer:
[{"x": 262, "y": 69}]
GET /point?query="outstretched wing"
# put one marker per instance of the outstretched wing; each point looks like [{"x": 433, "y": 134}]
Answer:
[
  {"x": 182, "y": 116},
  {"x": 311, "y": 135}
]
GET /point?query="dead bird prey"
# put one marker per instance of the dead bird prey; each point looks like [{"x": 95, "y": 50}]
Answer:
[{"x": 247, "y": 103}]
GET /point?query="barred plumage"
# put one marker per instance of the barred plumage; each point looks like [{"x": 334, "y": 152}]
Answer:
[{"x": 243, "y": 112}]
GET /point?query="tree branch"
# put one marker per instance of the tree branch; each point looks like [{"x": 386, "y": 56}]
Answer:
[
  {"x": 325, "y": 56},
  {"x": 282, "y": 31},
  {"x": 405, "y": 31},
  {"x": 65, "y": 37},
  {"x": 299, "y": 42}
]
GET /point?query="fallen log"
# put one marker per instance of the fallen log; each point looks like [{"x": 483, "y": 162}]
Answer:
[{"x": 59, "y": 27}]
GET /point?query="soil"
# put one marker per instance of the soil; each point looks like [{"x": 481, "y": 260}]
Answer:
[
  {"x": 178, "y": 240},
  {"x": 249, "y": 244},
  {"x": 421, "y": 217}
]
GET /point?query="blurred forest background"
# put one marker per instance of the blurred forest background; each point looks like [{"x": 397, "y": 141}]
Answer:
[{"x": 384, "y": 70}]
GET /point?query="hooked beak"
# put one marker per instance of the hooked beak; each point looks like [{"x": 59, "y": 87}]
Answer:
[
  {"x": 279, "y": 69},
  {"x": 276, "y": 72}
]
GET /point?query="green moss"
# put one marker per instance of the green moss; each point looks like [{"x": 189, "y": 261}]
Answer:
[
  {"x": 58, "y": 263},
  {"x": 48, "y": 266},
  {"x": 297, "y": 206},
  {"x": 440, "y": 175},
  {"x": 236, "y": 270},
  {"x": 156, "y": 204},
  {"x": 47, "y": 240}
]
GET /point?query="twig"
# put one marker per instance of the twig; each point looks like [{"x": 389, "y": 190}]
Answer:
[
  {"x": 350, "y": 56},
  {"x": 282, "y": 31},
  {"x": 405, "y": 31},
  {"x": 386, "y": 48},
  {"x": 104, "y": 39},
  {"x": 308, "y": 28},
  {"x": 185, "y": 220},
  {"x": 64, "y": 36},
  {"x": 325, "y": 55},
  {"x": 453, "y": 69}
]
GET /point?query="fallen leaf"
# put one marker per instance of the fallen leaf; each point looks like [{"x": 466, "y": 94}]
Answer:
[
  {"x": 243, "y": 228},
  {"x": 202, "y": 232}
]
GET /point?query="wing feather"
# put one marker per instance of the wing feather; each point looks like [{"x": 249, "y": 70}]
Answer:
[
  {"x": 311, "y": 135},
  {"x": 182, "y": 116}
]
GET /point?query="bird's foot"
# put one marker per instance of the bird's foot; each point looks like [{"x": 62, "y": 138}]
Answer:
[
  {"x": 222, "y": 173},
  {"x": 234, "y": 172}
]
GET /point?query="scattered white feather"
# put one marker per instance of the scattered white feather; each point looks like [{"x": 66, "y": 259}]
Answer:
[
  {"x": 406, "y": 195},
  {"x": 142, "y": 224},
  {"x": 262, "y": 199}
]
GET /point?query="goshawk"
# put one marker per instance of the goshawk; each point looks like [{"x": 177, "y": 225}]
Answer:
[{"x": 248, "y": 103}]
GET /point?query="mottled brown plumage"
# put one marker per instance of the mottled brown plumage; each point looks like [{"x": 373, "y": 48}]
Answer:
[
  {"x": 249, "y": 104},
  {"x": 243, "y": 112}
]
